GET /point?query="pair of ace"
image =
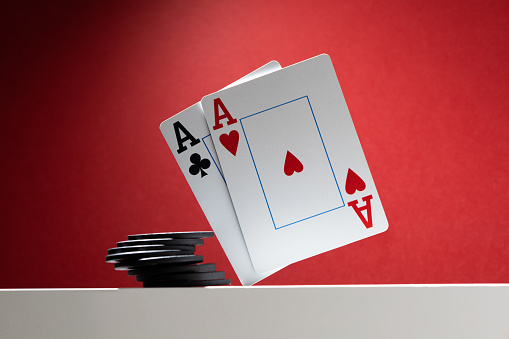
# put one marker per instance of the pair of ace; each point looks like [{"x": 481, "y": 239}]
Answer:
[{"x": 276, "y": 165}]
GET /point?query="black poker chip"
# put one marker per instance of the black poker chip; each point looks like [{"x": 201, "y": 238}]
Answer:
[
  {"x": 182, "y": 276},
  {"x": 118, "y": 257},
  {"x": 161, "y": 241},
  {"x": 166, "y": 260},
  {"x": 174, "y": 235},
  {"x": 187, "y": 283},
  {"x": 150, "y": 261},
  {"x": 172, "y": 268},
  {"x": 127, "y": 249}
]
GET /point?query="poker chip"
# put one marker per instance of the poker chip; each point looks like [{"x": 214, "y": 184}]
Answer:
[
  {"x": 192, "y": 276},
  {"x": 166, "y": 260},
  {"x": 161, "y": 241},
  {"x": 119, "y": 257},
  {"x": 174, "y": 235},
  {"x": 172, "y": 268},
  {"x": 126, "y": 249},
  {"x": 150, "y": 261},
  {"x": 187, "y": 283}
]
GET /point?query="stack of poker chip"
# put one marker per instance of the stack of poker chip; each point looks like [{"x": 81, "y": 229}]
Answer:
[{"x": 166, "y": 260}]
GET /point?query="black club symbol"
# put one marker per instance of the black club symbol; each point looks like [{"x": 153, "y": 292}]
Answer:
[{"x": 198, "y": 165}]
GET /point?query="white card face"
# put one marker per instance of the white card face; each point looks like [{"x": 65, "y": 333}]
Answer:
[
  {"x": 264, "y": 135},
  {"x": 189, "y": 139},
  {"x": 295, "y": 169}
]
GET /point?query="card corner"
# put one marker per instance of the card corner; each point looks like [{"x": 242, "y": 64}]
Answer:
[
  {"x": 274, "y": 62},
  {"x": 163, "y": 124},
  {"x": 205, "y": 98}
]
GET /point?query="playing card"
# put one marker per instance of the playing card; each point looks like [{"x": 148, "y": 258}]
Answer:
[
  {"x": 294, "y": 166},
  {"x": 189, "y": 139}
]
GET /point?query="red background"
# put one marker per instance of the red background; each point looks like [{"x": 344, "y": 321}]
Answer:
[{"x": 85, "y": 86}]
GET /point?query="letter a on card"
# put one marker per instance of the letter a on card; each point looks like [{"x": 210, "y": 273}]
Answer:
[
  {"x": 366, "y": 221},
  {"x": 218, "y": 117}
]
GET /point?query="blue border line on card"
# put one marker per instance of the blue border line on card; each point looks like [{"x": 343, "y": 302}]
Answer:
[
  {"x": 256, "y": 169},
  {"x": 215, "y": 163},
  {"x": 325, "y": 149}
]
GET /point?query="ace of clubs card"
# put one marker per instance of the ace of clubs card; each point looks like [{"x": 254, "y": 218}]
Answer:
[
  {"x": 188, "y": 137},
  {"x": 293, "y": 164}
]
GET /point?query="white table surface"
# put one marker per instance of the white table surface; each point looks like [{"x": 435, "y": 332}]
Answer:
[{"x": 359, "y": 311}]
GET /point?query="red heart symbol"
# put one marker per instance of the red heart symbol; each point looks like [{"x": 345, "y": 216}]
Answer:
[
  {"x": 230, "y": 141},
  {"x": 354, "y": 182},
  {"x": 292, "y": 164}
]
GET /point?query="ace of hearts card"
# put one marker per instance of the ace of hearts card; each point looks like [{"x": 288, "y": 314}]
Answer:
[{"x": 293, "y": 164}]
